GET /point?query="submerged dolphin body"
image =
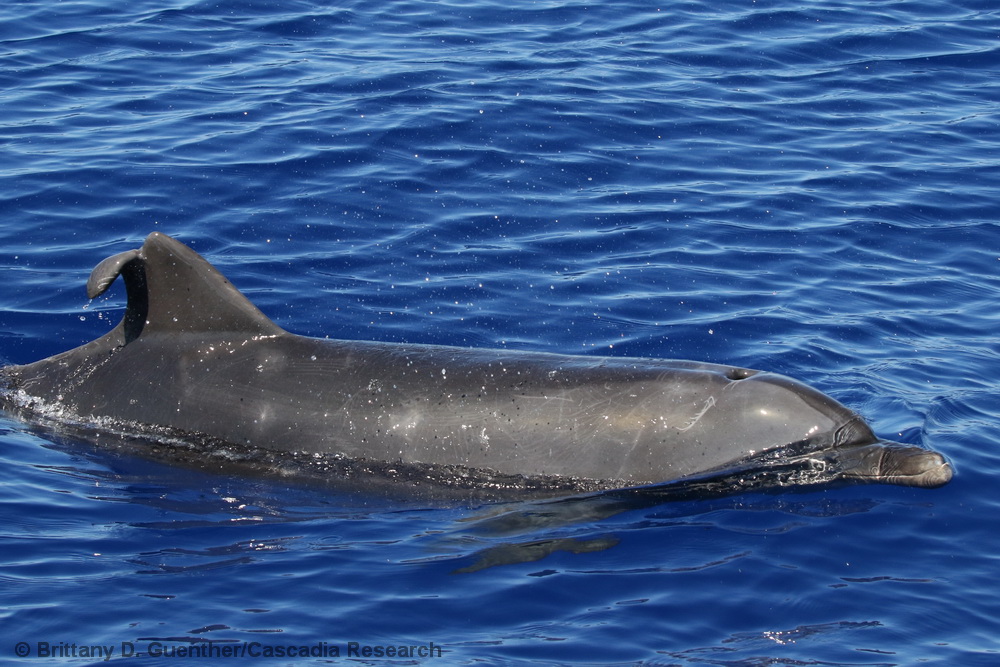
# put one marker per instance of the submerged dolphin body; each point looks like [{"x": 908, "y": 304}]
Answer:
[{"x": 193, "y": 357}]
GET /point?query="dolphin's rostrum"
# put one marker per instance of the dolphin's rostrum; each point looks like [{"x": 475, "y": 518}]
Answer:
[{"x": 192, "y": 356}]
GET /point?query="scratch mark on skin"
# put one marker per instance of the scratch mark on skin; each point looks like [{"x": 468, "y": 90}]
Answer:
[{"x": 710, "y": 403}]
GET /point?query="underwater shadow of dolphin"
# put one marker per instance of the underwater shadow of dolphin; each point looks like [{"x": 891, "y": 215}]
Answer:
[{"x": 193, "y": 360}]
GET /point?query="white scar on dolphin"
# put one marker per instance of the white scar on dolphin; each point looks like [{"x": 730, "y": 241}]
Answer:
[
  {"x": 709, "y": 403},
  {"x": 193, "y": 360}
]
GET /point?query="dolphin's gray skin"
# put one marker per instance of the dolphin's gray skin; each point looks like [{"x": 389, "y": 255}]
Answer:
[{"x": 192, "y": 356}]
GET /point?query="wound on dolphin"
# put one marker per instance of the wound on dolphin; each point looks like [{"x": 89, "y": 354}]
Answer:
[{"x": 193, "y": 359}]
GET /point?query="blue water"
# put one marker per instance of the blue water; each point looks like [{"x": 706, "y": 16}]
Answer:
[{"x": 804, "y": 187}]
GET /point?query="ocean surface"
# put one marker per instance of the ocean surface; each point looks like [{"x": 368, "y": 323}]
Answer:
[{"x": 806, "y": 187}]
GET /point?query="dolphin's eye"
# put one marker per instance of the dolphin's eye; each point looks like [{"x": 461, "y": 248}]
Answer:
[{"x": 739, "y": 373}]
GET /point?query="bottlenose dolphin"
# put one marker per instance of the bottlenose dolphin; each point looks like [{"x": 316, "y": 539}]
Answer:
[{"x": 193, "y": 358}]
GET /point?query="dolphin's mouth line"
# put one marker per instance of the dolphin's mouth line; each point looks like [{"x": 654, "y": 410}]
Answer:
[{"x": 891, "y": 462}]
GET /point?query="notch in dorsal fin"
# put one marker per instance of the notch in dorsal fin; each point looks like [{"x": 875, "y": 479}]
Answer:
[{"x": 171, "y": 288}]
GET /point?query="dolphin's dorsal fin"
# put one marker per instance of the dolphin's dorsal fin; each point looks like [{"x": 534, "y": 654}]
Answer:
[{"x": 171, "y": 288}]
